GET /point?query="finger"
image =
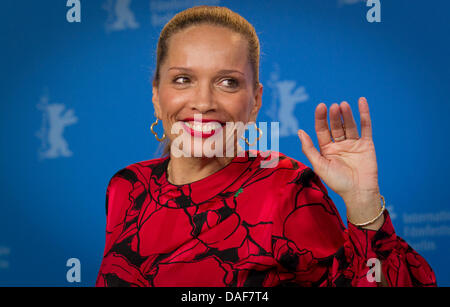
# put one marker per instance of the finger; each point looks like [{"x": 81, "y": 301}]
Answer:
[
  {"x": 366, "y": 123},
  {"x": 336, "y": 125},
  {"x": 351, "y": 130},
  {"x": 313, "y": 155},
  {"x": 321, "y": 125}
]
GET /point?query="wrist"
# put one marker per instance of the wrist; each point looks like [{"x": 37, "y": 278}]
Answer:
[
  {"x": 362, "y": 199},
  {"x": 365, "y": 209}
]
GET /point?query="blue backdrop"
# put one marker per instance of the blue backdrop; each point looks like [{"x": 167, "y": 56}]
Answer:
[{"x": 76, "y": 107}]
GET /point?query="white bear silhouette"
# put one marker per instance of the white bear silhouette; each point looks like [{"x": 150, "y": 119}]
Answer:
[{"x": 53, "y": 134}]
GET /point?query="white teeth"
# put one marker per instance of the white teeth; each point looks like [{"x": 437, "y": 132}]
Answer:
[
  {"x": 206, "y": 128},
  {"x": 197, "y": 127},
  {"x": 203, "y": 127}
]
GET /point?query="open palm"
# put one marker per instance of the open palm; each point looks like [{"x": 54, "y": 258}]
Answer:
[{"x": 346, "y": 162}]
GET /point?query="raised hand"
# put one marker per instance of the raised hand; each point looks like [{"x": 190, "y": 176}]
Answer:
[{"x": 346, "y": 162}]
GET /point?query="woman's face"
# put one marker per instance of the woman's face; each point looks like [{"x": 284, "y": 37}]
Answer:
[{"x": 206, "y": 72}]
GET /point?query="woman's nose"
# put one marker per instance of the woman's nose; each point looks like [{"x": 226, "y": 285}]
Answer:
[{"x": 204, "y": 100}]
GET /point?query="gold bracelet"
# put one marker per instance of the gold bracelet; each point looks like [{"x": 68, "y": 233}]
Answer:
[{"x": 374, "y": 219}]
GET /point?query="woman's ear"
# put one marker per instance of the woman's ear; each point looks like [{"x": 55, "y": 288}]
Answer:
[
  {"x": 257, "y": 98},
  {"x": 155, "y": 100}
]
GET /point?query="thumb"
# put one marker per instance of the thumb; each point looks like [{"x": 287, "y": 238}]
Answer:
[{"x": 310, "y": 151}]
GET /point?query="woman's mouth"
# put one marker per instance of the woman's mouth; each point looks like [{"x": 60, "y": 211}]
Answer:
[{"x": 203, "y": 129}]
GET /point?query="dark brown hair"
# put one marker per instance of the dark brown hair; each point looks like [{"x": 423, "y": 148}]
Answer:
[{"x": 211, "y": 15}]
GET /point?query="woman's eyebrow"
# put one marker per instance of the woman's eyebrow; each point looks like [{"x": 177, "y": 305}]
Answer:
[
  {"x": 229, "y": 71},
  {"x": 220, "y": 72}
]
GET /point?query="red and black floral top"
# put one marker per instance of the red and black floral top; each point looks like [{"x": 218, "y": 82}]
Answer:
[{"x": 244, "y": 225}]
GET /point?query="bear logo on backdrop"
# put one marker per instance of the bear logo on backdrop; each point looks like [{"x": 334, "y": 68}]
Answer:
[
  {"x": 285, "y": 97},
  {"x": 55, "y": 118},
  {"x": 120, "y": 16}
]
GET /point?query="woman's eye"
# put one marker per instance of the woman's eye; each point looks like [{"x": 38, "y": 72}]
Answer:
[
  {"x": 231, "y": 83},
  {"x": 179, "y": 80}
]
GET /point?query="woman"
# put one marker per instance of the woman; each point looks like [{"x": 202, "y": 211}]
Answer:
[{"x": 198, "y": 220}]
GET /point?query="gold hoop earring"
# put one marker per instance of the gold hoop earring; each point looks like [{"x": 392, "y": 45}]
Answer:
[
  {"x": 156, "y": 134},
  {"x": 257, "y": 139}
]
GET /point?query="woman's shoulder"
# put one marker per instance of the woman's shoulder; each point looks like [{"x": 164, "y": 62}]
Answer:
[
  {"x": 129, "y": 184},
  {"x": 282, "y": 166},
  {"x": 133, "y": 171},
  {"x": 272, "y": 160}
]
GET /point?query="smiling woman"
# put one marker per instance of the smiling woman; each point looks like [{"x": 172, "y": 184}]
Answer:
[
  {"x": 241, "y": 35},
  {"x": 200, "y": 220}
]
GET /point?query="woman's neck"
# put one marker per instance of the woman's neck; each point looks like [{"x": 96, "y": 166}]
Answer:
[{"x": 187, "y": 170}]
